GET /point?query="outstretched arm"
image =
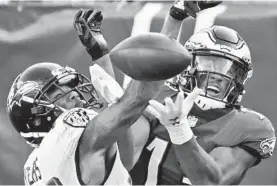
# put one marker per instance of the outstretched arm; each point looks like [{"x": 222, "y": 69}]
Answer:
[
  {"x": 88, "y": 24},
  {"x": 174, "y": 20},
  {"x": 171, "y": 27},
  {"x": 180, "y": 10},
  {"x": 106, "y": 128},
  {"x": 223, "y": 165}
]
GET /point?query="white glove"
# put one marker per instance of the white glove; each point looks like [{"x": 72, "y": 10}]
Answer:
[{"x": 174, "y": 115}]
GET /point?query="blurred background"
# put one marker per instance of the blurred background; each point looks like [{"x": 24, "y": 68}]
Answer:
[{"x": 36, "y": 31}]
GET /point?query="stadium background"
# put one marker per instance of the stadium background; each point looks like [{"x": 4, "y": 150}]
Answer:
[{"x": 34, "y": 32}]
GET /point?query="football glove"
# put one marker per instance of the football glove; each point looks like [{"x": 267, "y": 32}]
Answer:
[
  {"x": 88, "y": 26},
  {"x": 181, "y": 9}
]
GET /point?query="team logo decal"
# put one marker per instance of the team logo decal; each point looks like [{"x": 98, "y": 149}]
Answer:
[
  {"x": 76, "y": 118},
  {"x": 20, "y": 88},
  {"x": 268, "y": 145}
]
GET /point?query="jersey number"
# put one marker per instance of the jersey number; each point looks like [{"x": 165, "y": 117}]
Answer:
[
  {"x": 32, "y": 174},
  {"x": 159, "y": 147},
  {"x": 54, "y": 181}
]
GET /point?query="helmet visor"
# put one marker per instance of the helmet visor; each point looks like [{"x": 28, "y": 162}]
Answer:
[{"x": 226, "y": 67}]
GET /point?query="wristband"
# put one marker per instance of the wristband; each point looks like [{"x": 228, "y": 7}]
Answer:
[
  {"x": 178, "y": 14},
  {"x": 96, "y": 52},
  {"x": 180, "y": 133}
]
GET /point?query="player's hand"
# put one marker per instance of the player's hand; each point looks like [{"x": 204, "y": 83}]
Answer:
[
  {"x": 182, "y": 8},
  {"x": 173, "y": 115},
  {"x": 193, "y": 7},
  {"x": 208, "y": 4},
  {"x": 173, "y": 112},
  {"x": 88, "y": 26},
  {"x": 169, "y": 113}
]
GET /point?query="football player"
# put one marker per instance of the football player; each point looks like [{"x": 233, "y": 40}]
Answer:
[
  {"x": 55, "y": 109},
  {"x": 206, "y": 137},
  {"x": 229, "y": 138}
]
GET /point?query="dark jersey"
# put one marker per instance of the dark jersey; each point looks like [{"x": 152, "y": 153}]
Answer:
[{"x": 227, "y": 127}]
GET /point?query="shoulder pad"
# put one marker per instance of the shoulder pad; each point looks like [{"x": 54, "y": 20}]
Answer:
[
  {"x": 253, "y": 121},
  {"x": 256, "y": 131}
]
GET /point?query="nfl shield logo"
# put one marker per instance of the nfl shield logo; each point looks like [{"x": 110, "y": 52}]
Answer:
[{"x": 192, "y": 121}]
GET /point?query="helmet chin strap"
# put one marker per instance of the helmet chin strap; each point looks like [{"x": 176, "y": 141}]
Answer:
[{"x": 206, "y": 103}]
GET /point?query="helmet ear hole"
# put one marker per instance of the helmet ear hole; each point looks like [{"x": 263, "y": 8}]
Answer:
[{"x": 37, "y": 122}]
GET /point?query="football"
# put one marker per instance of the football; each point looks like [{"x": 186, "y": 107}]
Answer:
[{"x": 150, "y": 57}]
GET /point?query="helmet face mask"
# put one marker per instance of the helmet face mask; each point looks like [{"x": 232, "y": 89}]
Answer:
[
  {"x": 221, "y": 65},
  {"x": 32, "y": 112},
  {"x": 215, "y": 75},
  {"x": 77, "y": 83}
]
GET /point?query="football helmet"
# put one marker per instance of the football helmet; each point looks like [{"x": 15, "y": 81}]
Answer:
[
  {"x": 31, "y": 112},
  {"x": 217, "y": 51}
]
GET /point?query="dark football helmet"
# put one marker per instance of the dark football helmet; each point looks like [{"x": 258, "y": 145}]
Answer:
[
  {"x": 31, "y": 112},
  {"x": 226, "y": 44}
]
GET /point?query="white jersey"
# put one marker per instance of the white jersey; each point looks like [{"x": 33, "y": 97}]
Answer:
[{"x": 53, "y": 162}]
